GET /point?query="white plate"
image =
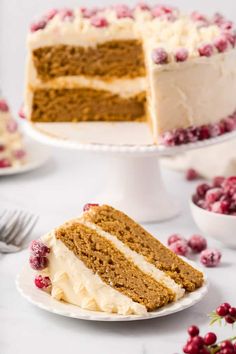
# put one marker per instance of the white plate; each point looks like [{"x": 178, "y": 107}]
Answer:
[
  {"x": 37, "y": 155},
  {"x": 26, "y": 287}
]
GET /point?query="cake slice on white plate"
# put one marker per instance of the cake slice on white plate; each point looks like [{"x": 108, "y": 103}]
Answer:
[{"x": 12, "y": 150}]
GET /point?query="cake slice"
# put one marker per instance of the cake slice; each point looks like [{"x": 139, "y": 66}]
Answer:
[
  {"x": 104, "y": 261},
  {"x": 12, "y": 151}
]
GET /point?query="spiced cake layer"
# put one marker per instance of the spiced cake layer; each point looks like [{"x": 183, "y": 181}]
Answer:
[
  {"x": 86, "y": 104},
  {"x": 113, "y": 59},
  {"x": 104, "y": 261},
  {"x": 139, "y": 240},
  {"x": 186, "y": 62}
]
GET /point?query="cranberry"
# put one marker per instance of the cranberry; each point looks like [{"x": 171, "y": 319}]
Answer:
[
  {"x": 88, "y": 206},
  {"x": 3, "y": 106},
  {"x": 38, "y": 248},
  {"x": 215, "y": 130},
  {"x": 2, "y": 147},
  {"x": 36, "y": 26},
  {"x": 143, "y": 6},
  {"x": 192, "y": 349},
  {"x": 42, "y": 282},
  {"x": 197, "y": 243},
  {"x": 202, "y": 189},
  {"x": 210, "y": 338},
  {"x": 19, "y": 154},
  {"x": 221, "y": 44},
  {"x": 197, "y": 16},
  {"x": 38, "y": 263},
  {"x": 222, "y": 311},
  {"x": 4, "y": 163},
  {"x": 180, "y": 248},
  {"x": 191, "y": 174},
  {"x": 67, "y": 15},
  {"x": 198, "y": 341},
  {"x": 226, "y": 351},
  {"x": 230, "y": 124},
  {"x": 21, "y": 112},
  {"x": 227, "y": 25},
  {"x": 218, "y": 18},
  {"x": 12, "y": 126},
  {"x": 51, "y": 14},
  {"x": 99, "y": 22},
  {"x": 210, "y": 258},
  {"x": 204, "y": 132},
  {"x": 160, "y": 10},
  {"x": 232, "y": 311},
  {"x": 181, "y": 55},
  {"x": 220, "y": 207},
  {"x": 174, "y": 238},
  {"x": 206, "y": 50},
  {"x": 214, "y": 194},
  {"x": 218, "y": 181},
  {"x": 229, "y": 319},
  {"x": 123, "y": 11},
  {"x": 88, "y": 13},
  {"x": 227, "y": 344},
  {"x": 160, "y": 56},
  {"x": 231, "y": 38}
]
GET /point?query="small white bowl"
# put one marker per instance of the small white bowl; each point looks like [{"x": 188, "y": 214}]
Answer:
[{"x": 218, "y": 226}]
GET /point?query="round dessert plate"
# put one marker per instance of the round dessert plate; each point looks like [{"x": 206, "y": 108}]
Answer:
[
  {"x": 37, "y": 155},
  {"x": 26, "y": 287}
]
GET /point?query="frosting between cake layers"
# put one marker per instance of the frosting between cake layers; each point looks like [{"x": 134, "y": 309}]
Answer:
[
  {"x": 139, "y": 261},
  {"x": 74, "y": 283}
]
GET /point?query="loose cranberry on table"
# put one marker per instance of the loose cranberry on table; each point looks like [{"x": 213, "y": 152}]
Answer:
[
  {"x": 180, "y": 248},
  {"x": 197, "y": 243},
  {"x": 210, "y": 258},
  {"x": 191, "y": 174},
  {"x": 174, "y": 238},
  {"x": 219, "y": 196}
]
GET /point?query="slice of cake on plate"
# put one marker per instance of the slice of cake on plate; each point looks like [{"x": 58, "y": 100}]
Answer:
[
  {"x": 12, "y": 151},
  {"x": 104, "y": 261},
  {"x": 154, "y": 64}
]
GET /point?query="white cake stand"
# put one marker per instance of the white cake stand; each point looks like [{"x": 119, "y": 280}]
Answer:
[{"x": 135, "y": 184}]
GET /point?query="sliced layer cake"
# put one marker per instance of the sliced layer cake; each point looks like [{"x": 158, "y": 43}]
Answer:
[
  {"x": 148, "y": 63},
  {"x": 104, "y": 261},
  {"x": 12, "y": 151}
]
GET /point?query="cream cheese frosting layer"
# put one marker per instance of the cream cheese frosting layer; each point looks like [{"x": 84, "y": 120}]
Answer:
[
  {"x": 197, "y": 92},
  {"x": 139, "y": 261},
  {"x": 74, "y": 283}
]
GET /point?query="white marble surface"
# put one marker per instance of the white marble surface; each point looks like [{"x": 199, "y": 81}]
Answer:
[{"x": 57, "y": 192}]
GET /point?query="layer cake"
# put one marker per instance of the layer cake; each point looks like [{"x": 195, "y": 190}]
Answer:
[
  {"x": 104, "y": 261},
  {"x": 154, "y": 64}
]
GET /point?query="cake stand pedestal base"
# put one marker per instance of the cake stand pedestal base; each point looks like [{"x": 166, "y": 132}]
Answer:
[{"x": 135, "y": 186}]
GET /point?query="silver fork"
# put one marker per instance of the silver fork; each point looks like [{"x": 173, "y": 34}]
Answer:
[{"x": 15, "y": 227}]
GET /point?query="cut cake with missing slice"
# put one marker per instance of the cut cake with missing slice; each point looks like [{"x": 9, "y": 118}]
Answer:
[{"x": 104, "y": 261}]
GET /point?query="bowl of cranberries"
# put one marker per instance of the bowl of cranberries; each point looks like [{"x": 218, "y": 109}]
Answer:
[{"x": 213, "y": 207}]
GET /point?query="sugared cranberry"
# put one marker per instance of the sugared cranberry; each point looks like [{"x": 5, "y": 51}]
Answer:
[
  {"x": 159, "y": 56},
  {"x": 88, "y": 206},
  {"x": 202, "y": 189},
  {"x": 204, "y": 132},
  {"x": 174, "y": 238},
  {"x": 51, "y": 14},
  {"x": 2, "y": 147},
  {"x": 218, "y": 18},
  {"x": 227, "y": 25},
  {"x": 191, "y": 174},
  {"x": 143, "y": 6},
  {"x": 99, "y": 22},
  {"x": 197, "y": 16},
  {"x": 42, "y": 282},
  {"x": 123, "y": 11},
  {"x": 210, "y": 338},
  {"x": 210, "y": 258},
  {"x": 230, "y": 124},
  {"x": 88, "y": 13},
  {"x": 38, "y": 248},
  {"x": 21, "y": 112},
  {"x": 220, "y": 207},
  {"x": 36, "y": 26},
  {"x": 67, "y": 15},
  {"x": 193, "y": 331},
  {"x": 12, "y": 126},
  {"x": 231, "y": 38},
  {"x": 197, "y": 243},
  {"x": 206, "y": 50},
  {"x": 4, "y": 163},
  {"x": 218, "y": 181},
  {"x": 38, "y": 263},
  {"x": 168, "y": 139},
  {"x": 214, "y": 130},
  {"x": 221, "y": 44},
  {"x": 181, "y": 55},
  {"x": 4, "y": 106},
  {"x": 213, "y": 194},
  {"x": 180, "y": 248},
  {"x": 19, "y": 154},
  {"x": 160, "y": 10}
]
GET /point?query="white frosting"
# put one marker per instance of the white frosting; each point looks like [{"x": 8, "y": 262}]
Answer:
[
  {"x": 196, "y": 92},
  {"x": 140, "y": 261},
  {"x": 73, "y": 282}
]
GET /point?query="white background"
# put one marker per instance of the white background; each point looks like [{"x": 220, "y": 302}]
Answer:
[{"x": 16, "y": 15}]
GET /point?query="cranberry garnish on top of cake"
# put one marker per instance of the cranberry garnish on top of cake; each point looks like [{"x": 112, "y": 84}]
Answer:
[
  {"x": 105, "y": 261},
  {"x": 147, "y": 63},
  {"x": 12, "y": 151}
]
